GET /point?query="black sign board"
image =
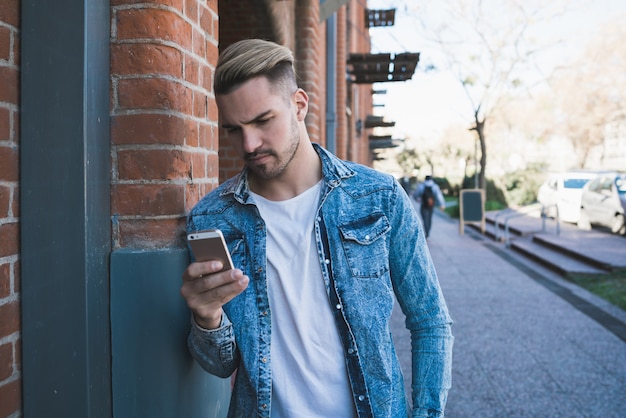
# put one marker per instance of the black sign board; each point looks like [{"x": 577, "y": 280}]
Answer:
[{"x": 472, "y": 207}]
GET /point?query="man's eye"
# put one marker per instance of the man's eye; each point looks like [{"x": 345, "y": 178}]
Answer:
[{"x": 232, "y": 129}]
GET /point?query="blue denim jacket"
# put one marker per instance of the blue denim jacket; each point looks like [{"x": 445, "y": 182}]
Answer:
[{"x": 370, "y": 247}]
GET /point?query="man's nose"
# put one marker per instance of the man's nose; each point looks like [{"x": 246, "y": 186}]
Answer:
[{"x": 251, "y": 140}]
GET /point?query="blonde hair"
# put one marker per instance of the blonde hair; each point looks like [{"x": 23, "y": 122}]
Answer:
[{"x": 251, "y": 58}]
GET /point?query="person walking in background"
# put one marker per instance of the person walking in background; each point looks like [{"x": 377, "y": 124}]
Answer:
[
  {"x": 429, "y": 195},
  {"x": 320, "y": 246},
  {"x": 405, "y": 182}
]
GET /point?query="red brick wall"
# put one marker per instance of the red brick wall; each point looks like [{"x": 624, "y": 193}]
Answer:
[
  {"x": 163, "y": 117},
  {"x": 240, "y": 20},
  {"x": 358, "y": 41},
  {"x": 297, "y": 25},
  {"x": 10, "y": 336},
  {"x": 310, "y": 54},
  {"x": 293, "y": 24},
  {"x": 164, "y": 134},
  {"x": 243, "y": 19},
  {"x": 341, "y": 99}
]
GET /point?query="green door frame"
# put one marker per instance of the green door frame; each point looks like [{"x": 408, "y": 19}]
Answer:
[{"x": 65, "y": 208}]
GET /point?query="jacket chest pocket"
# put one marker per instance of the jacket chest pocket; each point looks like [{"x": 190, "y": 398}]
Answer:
[{"x": 365, "y": 245}]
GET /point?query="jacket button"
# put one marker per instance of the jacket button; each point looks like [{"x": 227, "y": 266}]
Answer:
[
  {"x": 361, "y": 397},
  {"x": 338, "y": 306},
  {"x": 264, "y": 406}
]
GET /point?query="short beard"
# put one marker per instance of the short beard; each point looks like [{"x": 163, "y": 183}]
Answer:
[{"x": 282, "y": 161}]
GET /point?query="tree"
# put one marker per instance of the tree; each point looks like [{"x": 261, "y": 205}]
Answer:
[
  {"x": 409, "y": 161},
  {"x": 592, "y": 91},
  {"x": 488, "y": 46},
  {"x": 448, "y": 157}
]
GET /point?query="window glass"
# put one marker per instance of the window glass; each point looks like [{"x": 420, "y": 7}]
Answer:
[
  {"x": 620, "y": 183},
  {"x": 574, "y": 183},
  {"x": 594, "y": 186}
]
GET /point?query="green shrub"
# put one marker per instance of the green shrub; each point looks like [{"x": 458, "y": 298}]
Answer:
[{"x": 521, "y": 186}]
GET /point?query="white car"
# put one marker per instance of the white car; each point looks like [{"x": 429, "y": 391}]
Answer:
[
  {"x": 604, "y": 203},
  {"x": 563, "y": 191}
]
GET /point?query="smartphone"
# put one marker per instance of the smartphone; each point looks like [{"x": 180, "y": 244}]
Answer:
[{"x": 210, "y": 245}]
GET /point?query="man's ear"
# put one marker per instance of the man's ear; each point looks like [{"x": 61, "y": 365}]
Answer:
[{"x": 301, "y": 101}]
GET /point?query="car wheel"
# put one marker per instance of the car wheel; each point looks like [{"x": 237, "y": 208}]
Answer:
[
  {"x": 618, "y": 225},
  {"x": 583, "y": 221}
]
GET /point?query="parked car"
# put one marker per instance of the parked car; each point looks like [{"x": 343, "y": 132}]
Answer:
[
  {"x": 603, "y": 203},
  {"x": 563, "y": 191}
]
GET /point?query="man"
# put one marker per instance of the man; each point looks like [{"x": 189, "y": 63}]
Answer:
[
  {"x": 321, "y": 246},
  {"x": 429, "y": 195}
]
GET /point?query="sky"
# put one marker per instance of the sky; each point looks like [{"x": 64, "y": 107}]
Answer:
[{"x": 425, "y": 105}]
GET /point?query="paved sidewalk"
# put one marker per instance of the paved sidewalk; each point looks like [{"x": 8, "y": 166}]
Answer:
[{"x": 525, "y": 346}]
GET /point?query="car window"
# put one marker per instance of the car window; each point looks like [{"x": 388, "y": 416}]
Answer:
[
  {"x": 620, "y": 183},
  {"x": 607, "y": 186},
  {"x": 574, "y": 183},
  {"x": 594, "y": 186}
]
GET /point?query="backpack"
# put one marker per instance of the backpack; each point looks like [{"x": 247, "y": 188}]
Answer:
[{"x": 428, "y": 197}]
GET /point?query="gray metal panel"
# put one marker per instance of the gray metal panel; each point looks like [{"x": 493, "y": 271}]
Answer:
[
  {"x": 65, "y": 208},
  {"x": 153, "y": 373}
]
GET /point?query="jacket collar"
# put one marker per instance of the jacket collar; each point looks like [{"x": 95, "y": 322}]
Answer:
[{"x": 333, "y": 171}]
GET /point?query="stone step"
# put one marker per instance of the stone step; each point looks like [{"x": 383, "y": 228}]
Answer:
[
  {"x": 555, "y": 259},
  {"x": 601, "y": 250},
  {"x": 563, "y": 248}
]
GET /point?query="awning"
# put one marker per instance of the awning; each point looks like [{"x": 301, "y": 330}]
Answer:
[
  {"x": 383, "y": 141},
  {"x": 384, "y": 144},
  {"x": 372, "y": 121},
  {"x": 328, "y": 7},
  {"x": 376, "y": 68},
  {"x": 379, "y": 137}
]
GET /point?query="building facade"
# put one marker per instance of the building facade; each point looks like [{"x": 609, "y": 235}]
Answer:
[{"x": 108, "y": 136}]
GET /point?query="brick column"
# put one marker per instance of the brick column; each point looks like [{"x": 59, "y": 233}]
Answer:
[
  {"x": 164, "y": 157},
  {"x": 358, "y": 40},
  {"x": 311, "y": 64},
  {"x": 244, "y": 19},
  {"x": 163, "y": 117},
  {"x": 341, "y": 83},
  {"x": 10, "y": 336}
]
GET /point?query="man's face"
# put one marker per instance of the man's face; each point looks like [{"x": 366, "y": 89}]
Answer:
[{"x": 262, "y": 126}]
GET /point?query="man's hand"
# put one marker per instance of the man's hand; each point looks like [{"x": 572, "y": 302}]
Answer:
[{"x": 206, "y": 291}]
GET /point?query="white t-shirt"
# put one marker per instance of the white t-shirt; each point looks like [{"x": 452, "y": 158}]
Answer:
[{"x": 309, "y": 377}]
